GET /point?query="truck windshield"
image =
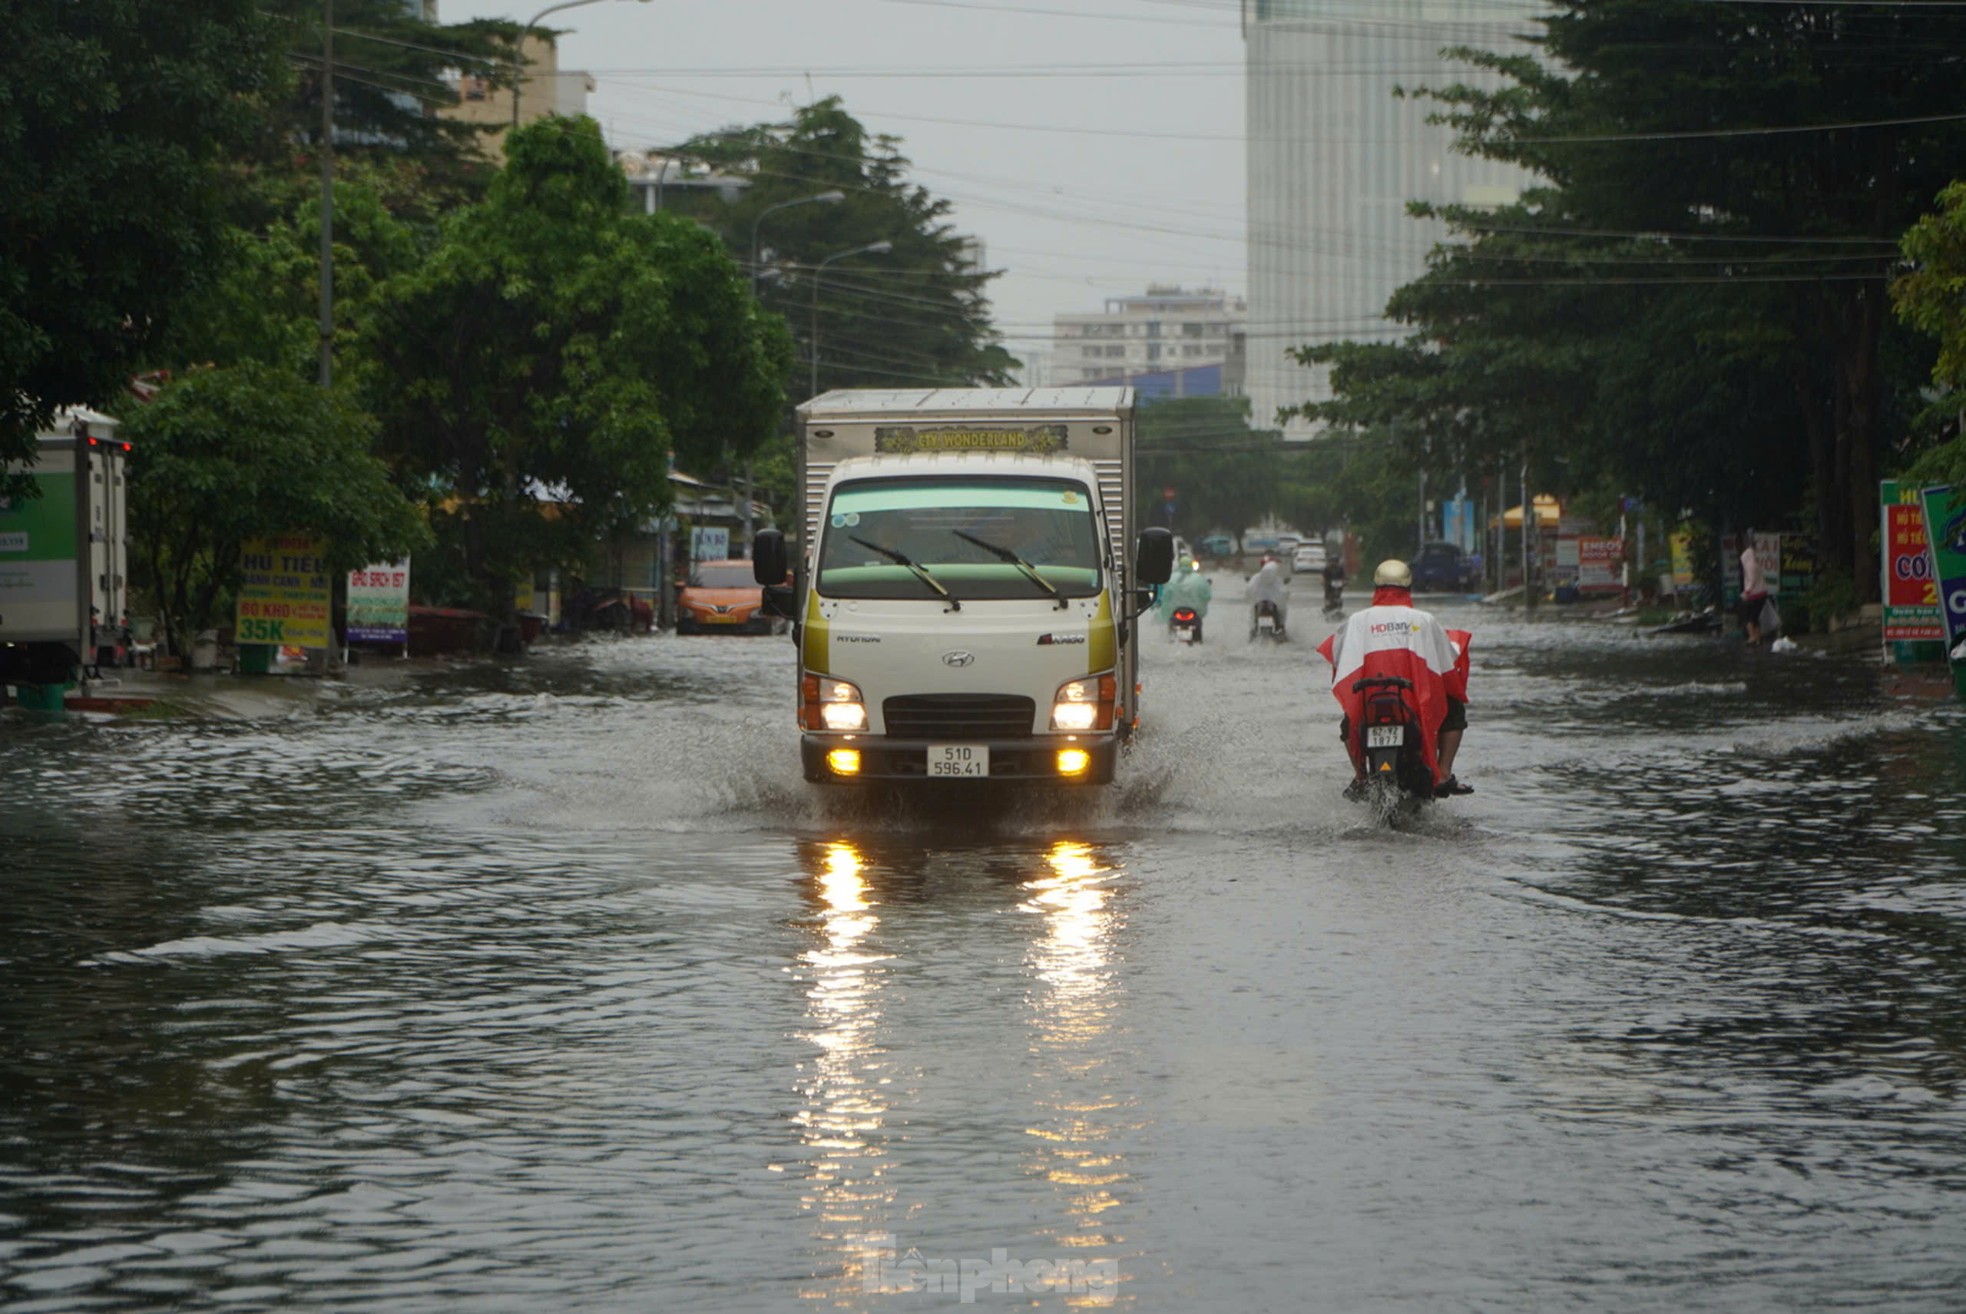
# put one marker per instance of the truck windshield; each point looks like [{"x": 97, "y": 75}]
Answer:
[{"x": 976, "y": 536}]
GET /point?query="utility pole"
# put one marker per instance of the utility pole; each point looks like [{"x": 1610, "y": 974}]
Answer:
[
  {"x": 833, "y": 197},
  {"x": 327, "y": 193},
  {"x": 1528, "y": 515}
]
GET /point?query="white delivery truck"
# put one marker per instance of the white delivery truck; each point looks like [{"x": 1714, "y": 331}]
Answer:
[
  {"x": 64, "y": 557},
  {"x": 963, "y": 599}
]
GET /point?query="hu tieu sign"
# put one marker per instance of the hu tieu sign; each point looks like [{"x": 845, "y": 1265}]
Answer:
[{"x": 284, "y": 593}]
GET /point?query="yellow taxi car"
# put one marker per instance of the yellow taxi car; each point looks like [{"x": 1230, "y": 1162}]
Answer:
[{"x": 722, "y": 597}]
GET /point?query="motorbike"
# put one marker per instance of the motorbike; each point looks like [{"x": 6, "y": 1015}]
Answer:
[
  {"x": 1185, "y": 625},
  {"x": 1265, "y": 621},
  {"x": 1387, "y": 740},
  {"x": 1334, "y": 598}
]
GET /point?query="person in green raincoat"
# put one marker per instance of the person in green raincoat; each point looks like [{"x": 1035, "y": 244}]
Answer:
[{"x": 1188, "y": 588}]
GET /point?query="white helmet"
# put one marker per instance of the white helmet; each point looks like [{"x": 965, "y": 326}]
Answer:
[{"x": 1392, "y": 573}]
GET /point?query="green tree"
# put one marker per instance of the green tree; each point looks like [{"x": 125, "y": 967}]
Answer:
[
  {"x": 224, "y": 455},
  {"x": 916, "y": 314},
  {"x": 1224, "y": 473},
  {"x": 393, "y": 72},
  {"x": 1932, "y": 299},
  {"x": 557, "y": 349},
  {"x": 262, "y": 300},
  {"x": 1700, "y": 291},
  {"x": 115, "y": 119}
]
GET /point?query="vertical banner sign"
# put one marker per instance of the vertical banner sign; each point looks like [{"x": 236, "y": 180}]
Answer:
[
  {"x": 1911, "y": 592},
  {"x": 37, "y": 562},
  {"x": 379, "y": 603},
  {"x": 1945, "y": 523},
  {"x": 1598, "y": 565},
  {"x": 1682, "y": 561},
  {"x": 283, "y": 593}
]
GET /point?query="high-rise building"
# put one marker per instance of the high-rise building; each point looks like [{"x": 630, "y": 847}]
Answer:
[
  {"x": 1336, "y": 153},
  {"x": 1170, "y": 328}
]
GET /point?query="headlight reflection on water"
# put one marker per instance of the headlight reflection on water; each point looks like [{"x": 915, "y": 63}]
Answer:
[
  {"x": 1073, "y": 1017},
  {"x": 843, "y": 1104}
]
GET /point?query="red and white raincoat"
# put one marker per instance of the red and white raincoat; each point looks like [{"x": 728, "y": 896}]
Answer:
[{"x": 1392, "y": 637}]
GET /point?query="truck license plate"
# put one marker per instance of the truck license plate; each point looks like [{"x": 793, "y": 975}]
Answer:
[
  {"x": 1385, "y": 736},
  {"x": 958, "y": 761}
]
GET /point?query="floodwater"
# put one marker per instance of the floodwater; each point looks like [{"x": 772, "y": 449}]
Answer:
[{"x": 551, "y": 985}]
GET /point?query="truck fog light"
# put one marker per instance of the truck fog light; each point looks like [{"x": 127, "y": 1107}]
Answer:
[
  {"x": 1073, "y": 761},
  {"x": 844, "y": 761},
  {"x": 1074, "y": 716},
  {"x": 843, "y": 716}
]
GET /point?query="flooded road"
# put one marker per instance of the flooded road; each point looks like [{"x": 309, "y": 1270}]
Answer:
[{"x": 552, "y": 985}]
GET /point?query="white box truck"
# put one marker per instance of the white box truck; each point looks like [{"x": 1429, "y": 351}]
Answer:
[
  {"x": 966, "y": 584},
  {"x": 64, "y": 556}
]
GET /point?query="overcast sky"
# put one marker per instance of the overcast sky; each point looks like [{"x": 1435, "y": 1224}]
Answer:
[{"x": 1094, "y": 145}]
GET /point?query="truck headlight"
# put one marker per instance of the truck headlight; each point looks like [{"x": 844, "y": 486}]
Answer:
[
  {"x": 1084, "y": 704},
  {"x": 833, "y": 704}
]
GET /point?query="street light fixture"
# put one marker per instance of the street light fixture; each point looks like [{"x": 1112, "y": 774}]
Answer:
[
  {"x": 812, "y": 327},
  {"x": 518, "y": 48},
  {"x": 818, "y": 198}
]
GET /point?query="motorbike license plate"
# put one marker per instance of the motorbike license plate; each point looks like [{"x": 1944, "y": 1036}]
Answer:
[
  {"x": 959, "y": 761},
  {"x": 1184, "y": 635},
  {"x": 1385, "y": 736}
]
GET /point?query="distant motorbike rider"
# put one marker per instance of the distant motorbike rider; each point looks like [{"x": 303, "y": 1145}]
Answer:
[
  {"x": 1267, "y": 586},
  {"x": 1334, "y": 582},
  {"x": 1188, "y": 588},
  {"x": 1393, "y": 637}
]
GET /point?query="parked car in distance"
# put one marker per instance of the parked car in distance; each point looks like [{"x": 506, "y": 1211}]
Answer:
[
  {"x": 1442, "y": 568},
  {"x": 722, "y": 597},
  {"x": 1217, "y": 545}
]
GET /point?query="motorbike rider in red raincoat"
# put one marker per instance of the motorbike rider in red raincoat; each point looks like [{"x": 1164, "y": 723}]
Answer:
[{"x": 1393, "y": 637}]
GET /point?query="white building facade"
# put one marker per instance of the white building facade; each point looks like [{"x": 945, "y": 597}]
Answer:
[
  {"x": 1335, "y": 155},
  {"x": 1169, "y": 328}
]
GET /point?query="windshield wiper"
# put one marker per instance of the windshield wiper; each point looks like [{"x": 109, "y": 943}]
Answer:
[
  {"x": 1005, "y": 554},
  {"x": 921, "y": 572}
]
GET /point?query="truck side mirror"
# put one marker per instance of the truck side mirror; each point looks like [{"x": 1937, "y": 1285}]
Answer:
[
  {"x": 768, "y": 557},
  {"x": 1153, "y": 562}
]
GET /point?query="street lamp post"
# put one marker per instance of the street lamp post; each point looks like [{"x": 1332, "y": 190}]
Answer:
[
  {"x": 818, "y": 198},
  {"x": 812, "y": 325},
  {"x": 518, "y": 49},
  {"x": 833, "y": 197}
]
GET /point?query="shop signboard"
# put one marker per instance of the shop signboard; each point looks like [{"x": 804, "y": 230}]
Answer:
[
  {"x": 38, "y": 581},
  {"x": 1682, "y": 561},
  {"x": 379, "y": 603},
  {"x": 284, "y": 592},
  {"x": 1911, "y": 591},
  {"x": 1600, "y": 564},
  {"x": 1945, "y": 520},
  {"x": 709, "y": 543}
]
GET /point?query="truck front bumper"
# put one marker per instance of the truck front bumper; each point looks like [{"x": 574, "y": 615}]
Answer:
[{"x": 1032, "y": 760}]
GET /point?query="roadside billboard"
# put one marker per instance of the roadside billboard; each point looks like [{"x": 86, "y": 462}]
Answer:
[
  {"x": 1600, "y": 563},
  {"x": 379, "y": 603},
  {"x": 1911, "y": 591},
  {"x": 709, "y": 543},
  {"x": 38, "y": 583},
  {"x": 284, "y": 593},
  {"x": 1945, "y": 520},
  {"x": 1682, "y": 560}
]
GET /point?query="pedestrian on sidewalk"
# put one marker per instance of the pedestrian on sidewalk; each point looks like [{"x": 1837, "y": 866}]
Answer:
[{"x": 1754, "y": 590}]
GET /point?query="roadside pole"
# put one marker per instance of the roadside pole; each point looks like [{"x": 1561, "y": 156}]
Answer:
[
  {"x": 84, "y": 557},
  {"x": 665, "y": 566}
]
